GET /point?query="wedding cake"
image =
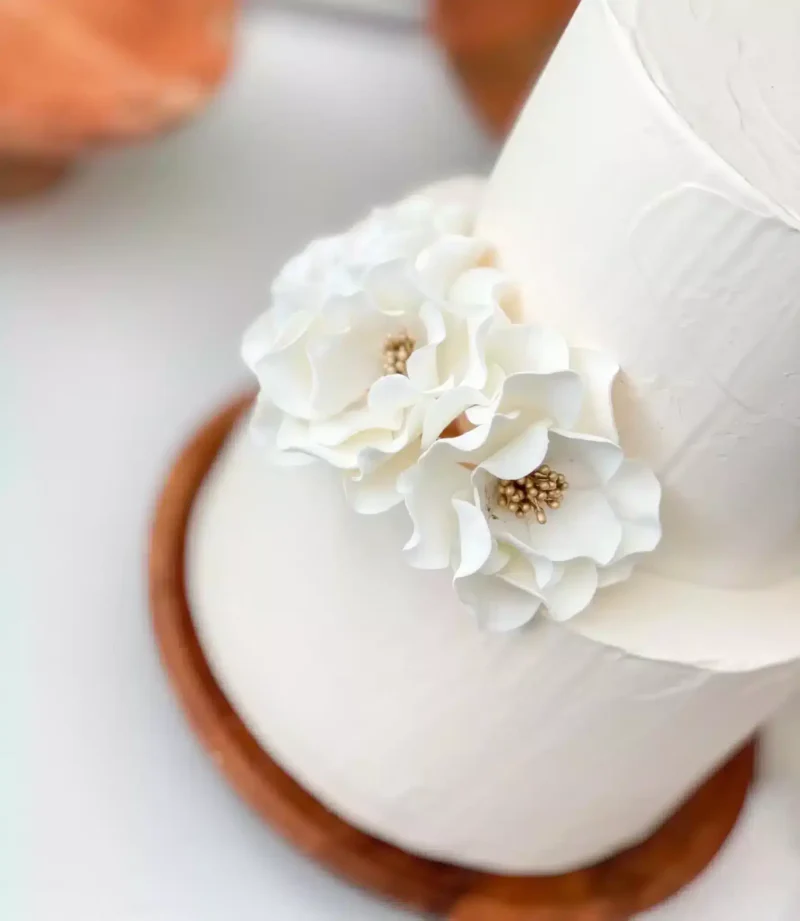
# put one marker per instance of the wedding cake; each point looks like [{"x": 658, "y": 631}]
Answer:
[{"x": 561, "y": 582}]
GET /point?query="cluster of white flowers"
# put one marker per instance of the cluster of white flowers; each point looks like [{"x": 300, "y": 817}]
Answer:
[{"x": 393, "y": 353}]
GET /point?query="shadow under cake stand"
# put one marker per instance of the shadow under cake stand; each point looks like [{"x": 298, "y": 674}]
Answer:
[{"x": 614, "y": 890}]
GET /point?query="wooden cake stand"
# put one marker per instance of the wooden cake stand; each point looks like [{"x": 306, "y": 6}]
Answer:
[{"x": 614, "y": 890}]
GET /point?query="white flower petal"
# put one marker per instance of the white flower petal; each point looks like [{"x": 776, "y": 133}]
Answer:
[
  {"x": 391, "y": 393},
  {"x": 497, "y": 561},
  {"x": 616, "y": 572},
  {"x": 340, "y": 313},
  {"x": 376, "y": 491},
  {"x": 294, "y": 436},
  {"x": 480, "y": 292},
  {"x": 265, "y": 423},
  {"x": 423, "y": 368},
  {"x": 498, "y": 604},
  {"x": 463, "y": 445},
  {"x": 271, "y": 333},
  {"x": 286, "y": 379},
  {"x": 457, "y": 202},
  {"x": 585, "y": 460},
  {"x": 428, "y": 489},
  {"x": 493, "y": 387},
  {"x": 520, "y": 455},
  {"x": 433, "y": 323},
  {"x": 362, "y": 451},
  {"x": 346, "y": 426},
  {"x": 442, "y": 410},
  {"x": 526, "y": 348},
  {"x": 483, "y": 489},
  {"x": 597, "y": 371},
  {"x": 519, "y": 571},
  {"x": 543, "y": 569},
  {"x": 440, "y": 264},
  {"x": 374, "y": 446},
  {"x": 462, "y": 354},
  {"x": 555, "y": 397},
  {"x": 344, "y": 367},
  {"x": 392, "y": 288},
  {"x": 585, "y": 525},
  {"x": 635, "y": 495},
  {"x": 573, "y": 591},
  {"x": 476, "y": 370},
  {"x": 475, "y": 445},
  {"x": 512, "y": 533},
  {"x": 475, "y": 538},
  {"x": 258, "y": 339}
]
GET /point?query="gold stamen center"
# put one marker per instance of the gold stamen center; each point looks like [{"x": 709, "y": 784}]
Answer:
[
  {"x": 541, "y": 489},
  {"x": 396, "y": 352}
]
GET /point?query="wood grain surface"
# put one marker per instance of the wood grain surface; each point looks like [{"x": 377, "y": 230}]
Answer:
[{"x": 614, "y": 890}]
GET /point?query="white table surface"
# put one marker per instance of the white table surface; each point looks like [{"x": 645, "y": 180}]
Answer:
[{"x": 122, "y": 298}]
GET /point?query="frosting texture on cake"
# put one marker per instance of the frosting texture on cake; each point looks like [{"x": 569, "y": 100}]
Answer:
[
  {"x": 653, "y": 208},
  {"x": 730, "y": 69}
]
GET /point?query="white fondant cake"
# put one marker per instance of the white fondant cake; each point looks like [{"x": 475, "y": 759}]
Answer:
[
  {"x": 618, "y": 203},
  {"x": 639, "y": 214}
]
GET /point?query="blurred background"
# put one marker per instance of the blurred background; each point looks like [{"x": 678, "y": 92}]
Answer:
[
  {"x": 82, "y": 75},
  {"x": 159, "y": 161}
]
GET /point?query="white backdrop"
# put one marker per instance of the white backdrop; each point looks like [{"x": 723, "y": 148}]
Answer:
[{"x": 122, "y": 298}]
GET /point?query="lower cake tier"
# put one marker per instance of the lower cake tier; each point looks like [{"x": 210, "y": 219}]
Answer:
[{"x": 535, "y": 751}]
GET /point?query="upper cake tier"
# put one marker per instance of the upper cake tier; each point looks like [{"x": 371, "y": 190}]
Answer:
[{"x": 653, "y": 211}]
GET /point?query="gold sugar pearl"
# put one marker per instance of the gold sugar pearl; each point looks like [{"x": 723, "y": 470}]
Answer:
[
  {"x": 396, "y": 352},
  {"x": 541, "y": 489}
]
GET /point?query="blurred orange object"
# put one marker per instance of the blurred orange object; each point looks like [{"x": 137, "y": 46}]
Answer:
[
  {"x": 77, "y": 74},
  {"x": 499, "y": 48}
]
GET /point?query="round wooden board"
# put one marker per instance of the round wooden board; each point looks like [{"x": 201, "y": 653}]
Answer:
[{"x": 616, "y": 889}]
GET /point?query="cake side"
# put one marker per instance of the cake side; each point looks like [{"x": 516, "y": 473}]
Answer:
[
  {"x": 616, "y": 217},
  {"x": 731, "y": 72},
  {"x": 534, "y": 751}
]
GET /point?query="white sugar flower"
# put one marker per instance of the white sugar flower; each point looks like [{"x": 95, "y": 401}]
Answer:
[
  {"x": 535, "y": 506},
  {"x": 390, "y": 352},
  {"x": 375, "y": 341}
]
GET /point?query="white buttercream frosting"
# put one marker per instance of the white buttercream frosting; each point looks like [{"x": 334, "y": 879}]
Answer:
[
  {"x": 652, "y": 209},
  {"x": 731, "y": 70},
  {"x": 518, "y": 399}
]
